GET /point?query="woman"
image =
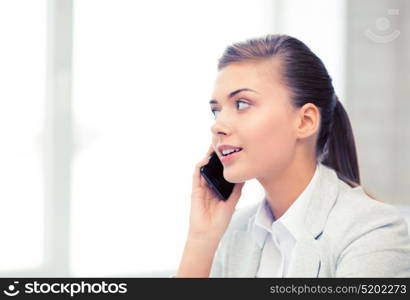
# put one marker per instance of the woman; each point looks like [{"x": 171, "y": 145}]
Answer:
[{"x": 274, "y": 99}]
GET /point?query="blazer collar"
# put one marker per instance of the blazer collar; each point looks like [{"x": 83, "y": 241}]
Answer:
[{"x": 245, "y": 253}]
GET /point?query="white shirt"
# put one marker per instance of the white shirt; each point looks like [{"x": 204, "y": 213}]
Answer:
[{"x": 278, "y": 237}]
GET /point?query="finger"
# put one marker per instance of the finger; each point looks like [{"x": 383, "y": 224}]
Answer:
[
  {"x": 210, "y": 150},
  {"x": 197, "y": 178}
]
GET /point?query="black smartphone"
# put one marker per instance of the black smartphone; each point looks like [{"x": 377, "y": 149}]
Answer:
[{"x": 213, "y": 174}]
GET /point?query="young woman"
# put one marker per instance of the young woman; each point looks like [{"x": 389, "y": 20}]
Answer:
[{"x": 274, "y": 100}]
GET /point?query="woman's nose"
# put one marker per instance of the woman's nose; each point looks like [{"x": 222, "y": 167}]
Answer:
[{"x": 218, "y": 128}]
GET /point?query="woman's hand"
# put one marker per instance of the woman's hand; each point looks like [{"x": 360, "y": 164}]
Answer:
[
  {"x": 210, "y": 216},
  {"x": 208, "y": 222}
]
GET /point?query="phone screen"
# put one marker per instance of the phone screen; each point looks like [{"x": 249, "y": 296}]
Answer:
[{"x": 213, "y": 174}]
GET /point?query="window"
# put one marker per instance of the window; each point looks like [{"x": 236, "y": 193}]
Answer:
[
  {"x": 104, "y": 114},
  {"x": 142, "y": 78},
  {"x": 22, "y": 101}
]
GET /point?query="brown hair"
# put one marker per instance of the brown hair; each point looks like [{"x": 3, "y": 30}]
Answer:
[{"x": 309, "y": 82}]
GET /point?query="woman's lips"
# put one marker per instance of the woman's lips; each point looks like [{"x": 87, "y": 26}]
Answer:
[{"x": 230, "y": 157}]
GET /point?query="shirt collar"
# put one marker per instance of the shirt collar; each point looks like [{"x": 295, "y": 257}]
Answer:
[
  {"x": 291, "y": 222},
  {"x": 263, "y": 222},
  {"x": 294, "y": 217}
]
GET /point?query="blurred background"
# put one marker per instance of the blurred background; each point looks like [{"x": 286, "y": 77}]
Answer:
[{"x": 104, "y": 113}]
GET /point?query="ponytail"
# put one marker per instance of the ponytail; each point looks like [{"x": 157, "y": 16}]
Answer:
[{"x": 340, "y": 148}]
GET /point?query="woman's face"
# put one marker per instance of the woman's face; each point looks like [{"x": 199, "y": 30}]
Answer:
[{"x": 262, "y": 122}]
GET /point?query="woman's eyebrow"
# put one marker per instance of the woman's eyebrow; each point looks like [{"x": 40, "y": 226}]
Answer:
[{"x": 213, "y": 101}]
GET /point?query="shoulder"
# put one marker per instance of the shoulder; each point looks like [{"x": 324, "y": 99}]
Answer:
[
  {"x": 368, "y": 237},
  {"x": 354, "y": 211}
]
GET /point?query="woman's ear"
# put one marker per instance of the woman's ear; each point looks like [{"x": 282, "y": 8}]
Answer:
[{"x": 308, "y": 121}]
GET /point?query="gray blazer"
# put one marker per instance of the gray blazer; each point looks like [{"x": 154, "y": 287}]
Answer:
[{"x": 347, "y": 234}]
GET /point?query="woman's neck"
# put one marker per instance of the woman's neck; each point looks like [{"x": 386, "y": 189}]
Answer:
[{"x": 283, "y": 189}]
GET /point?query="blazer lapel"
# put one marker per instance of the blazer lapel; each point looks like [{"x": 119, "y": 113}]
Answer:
[
  {"x": 245, "y": 256},
  {"x": 306, "y": 260},
  {"x": 245, "y": 253}
]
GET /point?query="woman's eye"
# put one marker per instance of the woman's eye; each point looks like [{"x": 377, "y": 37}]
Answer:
[
  {"x": 236, "y": 102},
  {"x": 239, "y": 101}
]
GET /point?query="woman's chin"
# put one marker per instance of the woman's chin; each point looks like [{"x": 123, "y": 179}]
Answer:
[{"x": 234, "y": 178}]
